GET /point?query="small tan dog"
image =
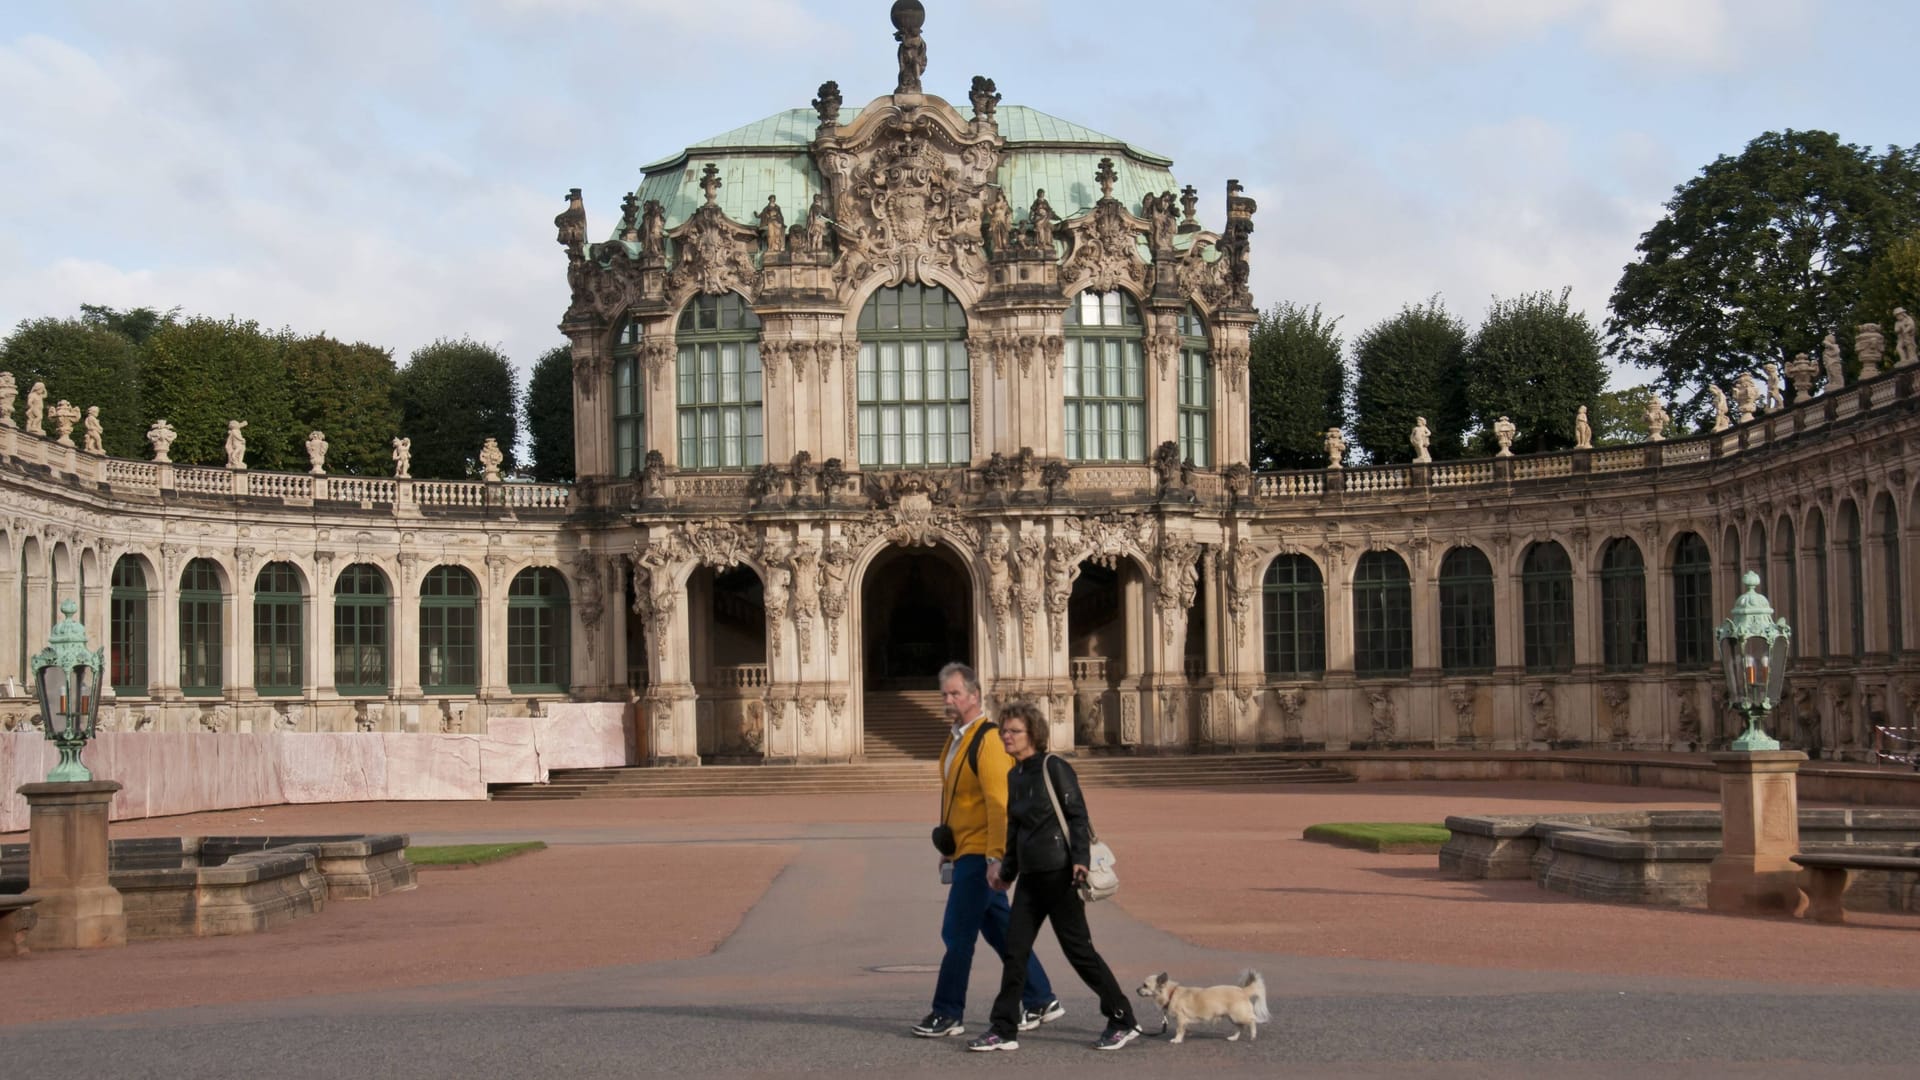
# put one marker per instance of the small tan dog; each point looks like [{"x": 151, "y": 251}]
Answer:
[{"x": 1245, "y": 1004}]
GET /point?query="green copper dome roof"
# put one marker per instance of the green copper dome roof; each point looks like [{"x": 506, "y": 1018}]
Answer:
[{"x": 772, "y": 157}]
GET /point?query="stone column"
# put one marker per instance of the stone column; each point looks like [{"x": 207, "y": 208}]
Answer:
[
  {"x": 1759, "y": 833},
  {"x": 11, "y": 646},
  {"x": 67, "y": 867},
  {"x": 163, "y": 626},
  {"x": 237, "y": 666}
]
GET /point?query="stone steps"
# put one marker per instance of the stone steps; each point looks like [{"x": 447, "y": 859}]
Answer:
[
  {"x": 724, "y": 780},
  {"x": 903, "y": 726}
]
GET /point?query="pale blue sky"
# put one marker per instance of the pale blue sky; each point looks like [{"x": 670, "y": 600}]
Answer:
[{"x": 389, "y": 171}]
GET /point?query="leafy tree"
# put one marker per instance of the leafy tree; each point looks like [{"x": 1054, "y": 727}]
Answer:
[
  {"x": 1411, "y": 364},
  {"x": 138, "y": 324},
  {"x": 1619, "y": 417},
  {"x": 86, "y": 365},
  {"x": 1534, "y": 361},
  {"x": 454, "y": 395},
  {"x": 1892, "y": 281},
  {"x": 346, "y": 391},
  {"x": 550, "y": 414},
  {"x": 1298, "y": 384},
  {"x": 203, "y": 372},
  {"x": 1758, "y": 257}
]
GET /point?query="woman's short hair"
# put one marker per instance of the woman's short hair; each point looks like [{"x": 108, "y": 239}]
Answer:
[{"x": 1028, "y": 713}]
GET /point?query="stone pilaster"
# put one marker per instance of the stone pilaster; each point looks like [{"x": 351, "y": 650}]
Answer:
[{"x": 1759, "y": 833}]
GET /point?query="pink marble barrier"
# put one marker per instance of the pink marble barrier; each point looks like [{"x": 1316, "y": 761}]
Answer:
[
  {"x": 509, "y": 752},
  {"x": 582, "y": 735},
  {"x": 434, "y": 767},
  {"x": 332, "y": 766},
  {"x": 25, "y": 758}
]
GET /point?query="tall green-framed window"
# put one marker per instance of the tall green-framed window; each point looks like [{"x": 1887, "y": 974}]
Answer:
[
  {"x": 1856, "y": 578},
  {"x": 360, "y": 630},
  {"x": 914, "y": 384},
  {"x": 1623, "y": 606},
  {"x": 1382, "y": 616},
  {"x": 449, "y": 631},
  {"x": 1466, "y": 612},
  {"x": 127, "y": 603},
  {"x": 201, "y": 600},
  {"x": 537, "y": 631},
  {"x": 278, "y": 644},
  {"x": 629, "y": 403},
  {"x": 1295, "y": 600},
  {"x": 1196, "y": 390},
  {"x": 1692, "y": 603},
  {"x": 1106, "y": 395},
  {"x": 1888, "y": 527},
  {"x": 1786, "y": 575},
  {"x": 1822, "y": 596},
  {"x": 1546, "y": 602},
  {"x": 719, "y": 384}
]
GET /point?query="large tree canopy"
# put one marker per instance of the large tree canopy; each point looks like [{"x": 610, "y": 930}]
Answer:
[
  {"x": 84, "y": 364},
  {"x": 203, "y": 372},
  {"x": 1411, "y": 364},
  {"x": 1535, "y": 361},
  {"x": 1758, "y": 257},
  {"x": 1298, "y": 386},
  {"x": 454, "y": 395},
  {"x": 550, "y": 415},
  {"x": 346, "y": 391},
  {"x": 1893, "y": 281}
]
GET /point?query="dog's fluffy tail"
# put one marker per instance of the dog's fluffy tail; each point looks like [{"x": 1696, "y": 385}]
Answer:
[{"x": 1256, "y": 988}]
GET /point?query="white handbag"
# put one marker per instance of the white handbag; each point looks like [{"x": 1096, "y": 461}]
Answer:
[{"x": 1101, "y": 881}]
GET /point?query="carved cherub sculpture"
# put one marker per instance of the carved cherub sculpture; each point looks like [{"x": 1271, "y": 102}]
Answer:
[
  {"x": 236, "y": 444},
  {"x": 1720, "y": 420},
  {"x": 37, "y": 409},
  {"x": 1582, "y": 430},
  {"x": 1903, "y": 338},
  {"x": 92, "y": 443},
  {"x": 1420, "y": 437},
  {"x": 402, "y": 458}
]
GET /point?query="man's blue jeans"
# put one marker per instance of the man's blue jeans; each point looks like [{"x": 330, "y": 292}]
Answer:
[{"x": 975, "y": 910}]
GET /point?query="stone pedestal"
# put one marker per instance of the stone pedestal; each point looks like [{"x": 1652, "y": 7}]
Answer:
[
  {"x": 67, "y": 867},
  {"x": 1759, "y": 833}
]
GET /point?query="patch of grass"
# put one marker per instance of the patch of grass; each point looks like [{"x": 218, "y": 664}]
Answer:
[
  {"x": 469, "y": 854},
  {"x": 1388, "y": 837}
]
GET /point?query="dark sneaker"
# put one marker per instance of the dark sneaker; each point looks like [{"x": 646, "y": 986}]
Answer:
[
  {"x": 936, "y": 1026},
  {"x": 990, "y": 1041},
  {"x": 1117, "y": 1036},
  {"x": 1045, "y": 1014}
]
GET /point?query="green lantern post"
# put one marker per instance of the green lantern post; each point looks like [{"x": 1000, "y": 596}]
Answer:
[
  {"x": 66, "y": 675},
  {"x": 1753, "y": 647}
]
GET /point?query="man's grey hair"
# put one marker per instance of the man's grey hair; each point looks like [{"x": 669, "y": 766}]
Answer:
[{"x": 966, "y": 673}]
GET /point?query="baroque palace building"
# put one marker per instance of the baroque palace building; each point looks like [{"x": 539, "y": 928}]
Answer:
[{"x": 860, "y": 391}]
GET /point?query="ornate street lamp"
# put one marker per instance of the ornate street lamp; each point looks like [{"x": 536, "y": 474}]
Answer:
[
  {"x": 1753, "y": 646},
  {"x": 67, "y": 676}
]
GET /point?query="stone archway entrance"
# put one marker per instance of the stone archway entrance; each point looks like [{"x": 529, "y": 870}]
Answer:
[{"x": 916, "y": 616}]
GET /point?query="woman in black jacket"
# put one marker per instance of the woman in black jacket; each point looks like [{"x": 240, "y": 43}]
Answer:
[{"x": 1050, "y": 864}]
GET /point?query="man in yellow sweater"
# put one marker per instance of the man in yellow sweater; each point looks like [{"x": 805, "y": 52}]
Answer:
[{"x": 973, "y": 800}]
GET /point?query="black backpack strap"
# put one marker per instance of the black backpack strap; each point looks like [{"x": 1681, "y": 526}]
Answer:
[{"x": 973, "y": 748}]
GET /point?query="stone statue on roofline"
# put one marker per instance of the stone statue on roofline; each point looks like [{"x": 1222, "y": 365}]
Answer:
[
  {"x": 236, "y": 445},
  {"x": 8, "y": 391},
  {"x": 817, "y": 223},
  {"x": 317, "y": 452},
  {"x": 1746, "y": 395},
  {"x": 653, "y": 230},
  {"x": 1776, "y": 394},
  {"x": 1801, "y": 370},
  {"x": 999, "y": 223},
  {"x": 1336, "y": 448},
  {"x": 908, "y": 17},
  {"x": 1720, "y": 420},
  {"x": 490, "y": 460},
  {"x": 161, "y": 435},
  {"x": 1903, "y": 343},
  {"x": 1657, "y": 419},
  {"x": 1830, "y": 361},
  {"x": 65, "y": 415},
  {"x": 37, "y": 409},
  {"x": 1582, "y": 430},
  {"x": 1420, "y": 437},
  {"x": 93, "y": 444},
  {"x": 773, "y": 224},
  {"x": 1870, "y": 345},
  {"x": 1503, "y": 434},
  {"x": 402, "y": 458},
  {"x": 1040, "y": 222}
]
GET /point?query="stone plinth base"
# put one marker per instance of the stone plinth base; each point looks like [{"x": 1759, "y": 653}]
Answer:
[
  {"x": 67, "y": 867},
  {"x": 1760, "y": 833}
]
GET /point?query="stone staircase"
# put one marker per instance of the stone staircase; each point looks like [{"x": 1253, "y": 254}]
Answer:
[
  {"x": 1237, "y": 770},
  {"x": 904, "y": 726}
]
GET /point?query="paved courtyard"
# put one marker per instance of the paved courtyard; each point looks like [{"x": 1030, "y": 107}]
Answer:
[{"x": 770, "y": 936}]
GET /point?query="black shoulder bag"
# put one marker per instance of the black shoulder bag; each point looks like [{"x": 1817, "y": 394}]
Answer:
[{"x": 943, "y": 841}]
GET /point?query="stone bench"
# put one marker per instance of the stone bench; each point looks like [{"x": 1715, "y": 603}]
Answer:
[
  {"x": 1826, "y": 880},
  {"x": 16, "y": 918}
]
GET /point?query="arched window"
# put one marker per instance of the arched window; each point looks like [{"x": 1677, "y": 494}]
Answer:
[
  {"x": 1856, "y": 578},
  {"x": 1623, "y": 606},
  {"x": 449, "y": 631},
  {"x": 1888, "y": 526},
  {"x": 719, "y": 391},
  {"x": 127, "y": 603},
  {"x": 629, "y": 402},
  {"x": 537, "y": 632},
  {"x": 1106, "y": 394},
  {"x": 1296, "y": 617},
  {"x": 1466, "y": 612},
  {"x": 1822, "y": 596},
  {"x": 1196, "y": 390},
  {"x": 1786, "y": 575},
  {"x": 913, "y": 383},
  {"x": 1382, "y": 616},
  {"x": 360, "y": 630},
  {"x": 1692, "y": 602},
  {"x": 200, "y": 602},
  {"x": 277, "y": 620},
  {"x": 1546, "y": 604}
]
